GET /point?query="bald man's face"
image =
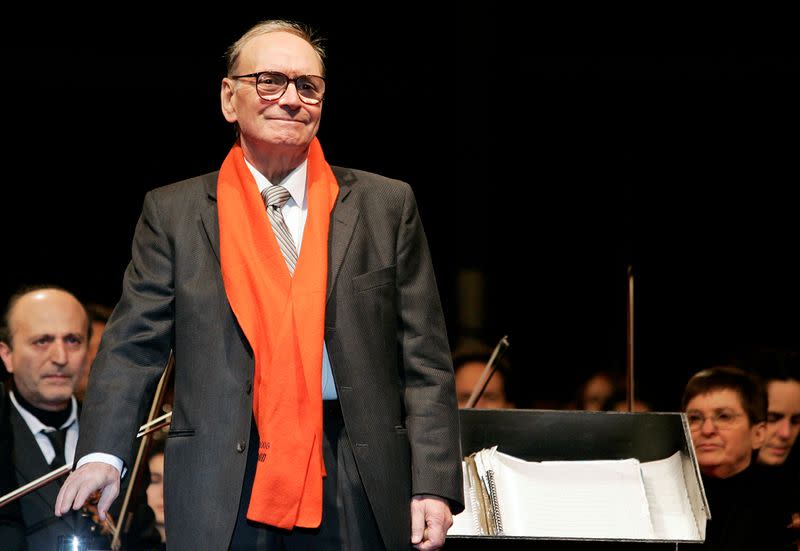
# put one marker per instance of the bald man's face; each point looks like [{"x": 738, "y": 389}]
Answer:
[{"x": 48, "y": 347}]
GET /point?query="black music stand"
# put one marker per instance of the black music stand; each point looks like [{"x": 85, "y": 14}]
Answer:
[{"x": 545, "y": 435}]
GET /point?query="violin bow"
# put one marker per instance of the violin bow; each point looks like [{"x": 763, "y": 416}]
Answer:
[
  {"x": 145, "y": 430},
  {"x": 487, "y": 373}
]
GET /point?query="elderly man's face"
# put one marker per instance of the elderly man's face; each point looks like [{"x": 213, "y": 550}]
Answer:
[
  {"x": 723, "y": 446},
  {"x": 783, "y": 421},
  {"x": 283, "y": 123},
  {"x": 48, "y": 347}
]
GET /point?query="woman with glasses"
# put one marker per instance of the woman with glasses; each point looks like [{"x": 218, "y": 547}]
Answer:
[{"x": 726, "y": 409}]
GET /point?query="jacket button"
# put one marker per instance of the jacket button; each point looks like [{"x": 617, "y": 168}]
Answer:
[
  {"x": 240, "y": 446},
  {"x": 248, "y": 388}
]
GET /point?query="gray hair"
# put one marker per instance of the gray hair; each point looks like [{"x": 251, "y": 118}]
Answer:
[{"x": 271, "y": 26}]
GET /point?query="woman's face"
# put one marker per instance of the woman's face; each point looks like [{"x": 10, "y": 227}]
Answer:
[{"x": 155, "y": 490}]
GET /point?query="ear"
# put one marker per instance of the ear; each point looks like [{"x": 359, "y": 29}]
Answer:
[
  {"x": 5, "y": 355},
  {"x": 758, "y": 434},
  {"x": 227, "y": 96}
]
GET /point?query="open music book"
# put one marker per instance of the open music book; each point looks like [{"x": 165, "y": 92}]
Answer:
[{"x": 613, "y": 499}]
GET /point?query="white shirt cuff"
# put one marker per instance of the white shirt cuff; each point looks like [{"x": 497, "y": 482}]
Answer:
[{"x": 107, "y": 458}]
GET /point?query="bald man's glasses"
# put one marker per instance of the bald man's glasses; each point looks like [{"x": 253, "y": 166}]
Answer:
[{"x": 271, "y": 85}]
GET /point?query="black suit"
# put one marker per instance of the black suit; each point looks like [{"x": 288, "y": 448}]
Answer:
[
  {"x": 12, "y": 529},
  {"x": 384, "y": 332},
  {"x": 41, "y": 524}
]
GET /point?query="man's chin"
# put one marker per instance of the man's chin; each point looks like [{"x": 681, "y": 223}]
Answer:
[
  {"x": 773, "y": 457},
  {"x": 59, "y": 388},
  {"x": 55, "y": 402},
  {"x": 290, "y": 142}
]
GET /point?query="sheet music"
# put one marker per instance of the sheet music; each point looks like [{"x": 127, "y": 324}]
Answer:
[
  {"x": 670, "y": 510},
  {"x": 582, "y": 499},
  {"x": 487, "y": 469}
]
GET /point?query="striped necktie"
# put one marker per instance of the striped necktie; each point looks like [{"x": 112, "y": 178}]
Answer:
[{"x": 275, "y": 197}]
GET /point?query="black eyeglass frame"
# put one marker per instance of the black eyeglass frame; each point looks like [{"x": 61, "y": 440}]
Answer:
[{"x": 308, "y": 101}]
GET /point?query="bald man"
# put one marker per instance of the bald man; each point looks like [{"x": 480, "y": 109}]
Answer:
[{"x": 43, "y": 345}]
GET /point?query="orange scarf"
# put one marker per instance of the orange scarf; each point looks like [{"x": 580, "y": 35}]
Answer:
[{"x": 283, "y": 319}]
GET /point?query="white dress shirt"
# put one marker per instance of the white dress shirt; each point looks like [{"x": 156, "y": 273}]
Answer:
[{"x": 38, "y": 429}]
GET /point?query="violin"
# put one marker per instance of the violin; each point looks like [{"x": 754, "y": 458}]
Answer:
[{"x": 97, "y": 527}]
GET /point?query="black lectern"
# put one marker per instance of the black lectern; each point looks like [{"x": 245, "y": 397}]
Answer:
[{"x": 544, "y": 435}]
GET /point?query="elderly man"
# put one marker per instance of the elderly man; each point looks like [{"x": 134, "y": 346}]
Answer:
[{"x": 314, "y": 397}]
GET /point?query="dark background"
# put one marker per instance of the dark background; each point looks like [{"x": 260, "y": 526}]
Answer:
[{"x": 547, "y": 166}]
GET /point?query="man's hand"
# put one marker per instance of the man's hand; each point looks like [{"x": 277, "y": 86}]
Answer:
[
  {"x": 430, "y": 521},
  {"x": 83, "y": 482}
]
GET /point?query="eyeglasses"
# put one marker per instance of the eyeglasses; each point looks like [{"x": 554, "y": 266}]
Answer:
[
  {"x": 271, "y": 85},
  {"x": 722, "y": 419}
]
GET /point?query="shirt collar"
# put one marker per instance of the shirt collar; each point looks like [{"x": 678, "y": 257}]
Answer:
[
  {"x": 37, "y": 426},
  {"x": 295, "y": 181}
]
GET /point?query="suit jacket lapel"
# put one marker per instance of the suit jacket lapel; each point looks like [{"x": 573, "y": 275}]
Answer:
[
  {"x": 343, "y": 222},
  {"x": 30, "y": 464},
  {"x": 210, "y": 218}
]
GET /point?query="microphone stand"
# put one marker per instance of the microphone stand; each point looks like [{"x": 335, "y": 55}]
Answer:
[
  {"x": 488, "y": 371},
  {"x": 629, "y": 343}
]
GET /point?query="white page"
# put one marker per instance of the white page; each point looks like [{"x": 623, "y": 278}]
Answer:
[
  {"x": 670, "y": 510},
  {"x": 579, "y": 499}
]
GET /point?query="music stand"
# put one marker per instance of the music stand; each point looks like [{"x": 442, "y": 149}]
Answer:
[{"x": 545, "y": 435}]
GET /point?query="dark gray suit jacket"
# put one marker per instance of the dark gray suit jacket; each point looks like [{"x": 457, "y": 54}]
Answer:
[{"x": 384, "y": 331}]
